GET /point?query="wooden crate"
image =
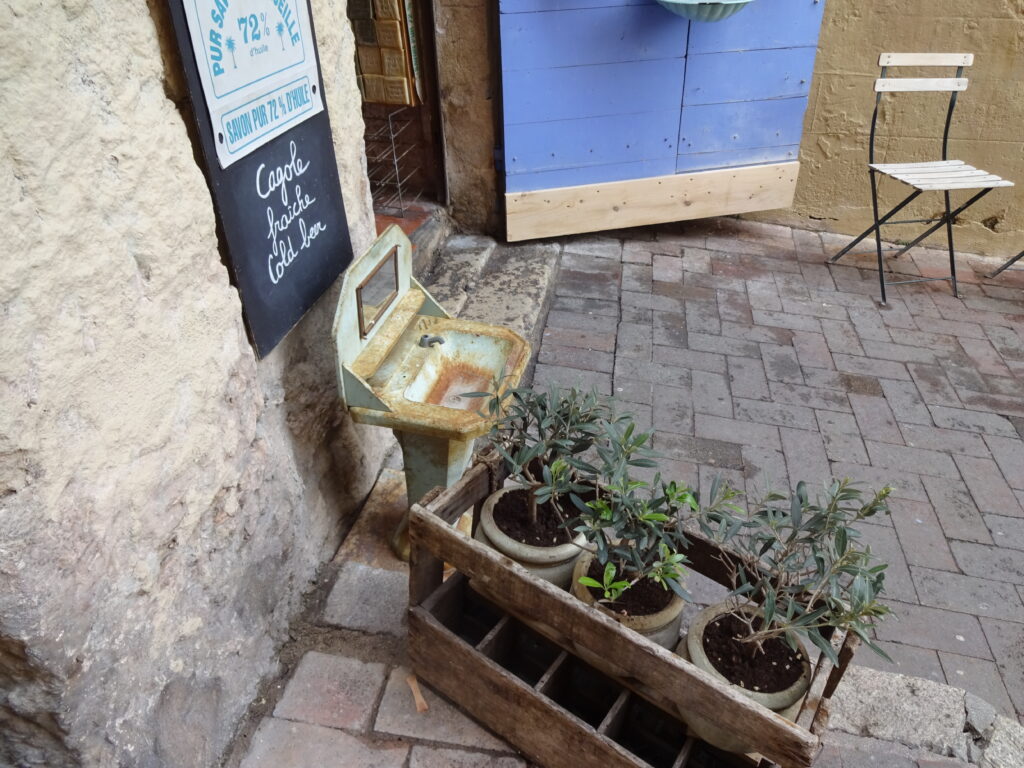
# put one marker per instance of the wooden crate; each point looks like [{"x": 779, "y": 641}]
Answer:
[{"x": 563, "y": 682}]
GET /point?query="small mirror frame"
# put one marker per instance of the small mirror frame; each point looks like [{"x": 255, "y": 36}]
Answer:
[{"x": 364, "y": 326}]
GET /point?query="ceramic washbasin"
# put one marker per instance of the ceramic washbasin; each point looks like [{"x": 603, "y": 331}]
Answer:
[
  {"x": 387, "y": 378},
  {"x": 463, "y": 361},
  {"x": 421, "y": 387}
]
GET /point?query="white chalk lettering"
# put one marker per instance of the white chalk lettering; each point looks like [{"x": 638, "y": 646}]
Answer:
[{"x": 296, "y": 209}]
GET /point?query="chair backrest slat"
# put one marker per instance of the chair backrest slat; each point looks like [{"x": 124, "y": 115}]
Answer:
[
  {"x": 912, "y": 84},
  {"x": 926, "y": 60}
]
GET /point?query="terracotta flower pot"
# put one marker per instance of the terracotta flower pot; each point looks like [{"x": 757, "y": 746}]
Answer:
[
  {"x": 786, "y": 702},
  {"x": 661, "y": 627},
  {"x": 552, "y": 564}
]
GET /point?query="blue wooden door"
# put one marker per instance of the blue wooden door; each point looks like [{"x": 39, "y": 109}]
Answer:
[{"x": 617, "y": 97}]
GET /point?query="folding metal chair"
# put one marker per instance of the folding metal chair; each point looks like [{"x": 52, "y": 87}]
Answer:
[{"x": 943, "y": 175}]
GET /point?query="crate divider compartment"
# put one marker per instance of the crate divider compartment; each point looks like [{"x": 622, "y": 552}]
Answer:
[
  {"x": 519, "y": 649},
  {"x": 653, "y": 735},
  {"x": 467, "y": 614}
]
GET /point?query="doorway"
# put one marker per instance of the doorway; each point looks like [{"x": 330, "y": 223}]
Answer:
[{"x": 396, "y": 67}]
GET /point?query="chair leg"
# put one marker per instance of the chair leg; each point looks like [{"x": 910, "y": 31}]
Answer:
[
  {"x": 1007, "y": 265},
  {"x": 850, "y": 246},
  {"x": 949, "y": 241},
  {"x": 878, "y": 233}
]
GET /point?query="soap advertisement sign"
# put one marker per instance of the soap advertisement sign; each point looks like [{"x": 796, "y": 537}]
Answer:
[
  {"x": 278, "y": 198},
  {"x": 259, "y": 73}
]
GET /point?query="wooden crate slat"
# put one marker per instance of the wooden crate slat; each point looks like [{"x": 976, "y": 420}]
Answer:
[
  {"x": 504, "y": 703},
  {"x": 658, "y": 675}
]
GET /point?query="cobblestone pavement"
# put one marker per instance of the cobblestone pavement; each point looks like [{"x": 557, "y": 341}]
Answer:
[{"x": 751, "y": 358}]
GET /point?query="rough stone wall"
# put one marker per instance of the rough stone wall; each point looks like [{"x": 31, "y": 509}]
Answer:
[
  {"x": 468, "y": 95},
  {"x": 833, "y": 191},
  {"x": 164, "y": 499}
]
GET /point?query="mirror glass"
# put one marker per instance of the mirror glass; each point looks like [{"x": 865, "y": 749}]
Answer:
[{"x": 377, "y": 291}]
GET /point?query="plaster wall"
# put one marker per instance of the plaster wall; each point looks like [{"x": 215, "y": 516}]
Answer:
[
  {"x": 165, "y": 500},
  {"x": 833, "y": 192}
]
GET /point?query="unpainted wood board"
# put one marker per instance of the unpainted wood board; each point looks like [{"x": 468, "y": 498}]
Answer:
[
  {"x": 735, "y": 158},
  {"x": 716, "y": 78},
  {"x": 655, "y": 673},
  {"x": 537, "y": 726},
  {"x": 589, "y": 174},
  {"x": 742, "y": 125},
  {"x": 926, "y": 59},
  {"x": 565, "y": 93},
  {"x": 772, "y": 24},
  {"x": 639, "y": 202},
  {"x": 606, "y": 140},
  {"x": 590, "y": 36}
]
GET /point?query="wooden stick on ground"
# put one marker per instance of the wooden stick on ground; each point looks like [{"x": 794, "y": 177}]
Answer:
[{"x": 414, "y": 686}]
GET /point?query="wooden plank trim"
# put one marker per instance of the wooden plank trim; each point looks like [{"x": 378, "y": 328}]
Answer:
[
  {"x": 655, "y": 673},
  {"x": 926, "y": 60},
  {"x": 654, "y": 200},
  {"x": 919, "y": 84},
  {"x": 504, "y": 703}
]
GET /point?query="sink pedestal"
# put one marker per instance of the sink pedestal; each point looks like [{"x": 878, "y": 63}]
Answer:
[{"x": 429, "y": 462}]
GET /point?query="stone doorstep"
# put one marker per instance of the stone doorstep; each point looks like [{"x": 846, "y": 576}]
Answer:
[{"x": 928, "y": 718}]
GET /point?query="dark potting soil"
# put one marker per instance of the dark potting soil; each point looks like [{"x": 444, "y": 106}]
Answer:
[
  {"x": 512, "y": 516},
  {"x": 774, "y": 669},
  {"x": 642, "y": 599}
]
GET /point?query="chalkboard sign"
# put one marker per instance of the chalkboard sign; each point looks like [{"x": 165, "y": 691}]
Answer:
[{"x": 279, "y": 206}]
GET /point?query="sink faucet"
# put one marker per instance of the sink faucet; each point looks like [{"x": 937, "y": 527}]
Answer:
[{"x": 428, "y": 341}]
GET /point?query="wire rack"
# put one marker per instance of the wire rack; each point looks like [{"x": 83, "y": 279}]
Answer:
[{"x": 392, "y": 160}]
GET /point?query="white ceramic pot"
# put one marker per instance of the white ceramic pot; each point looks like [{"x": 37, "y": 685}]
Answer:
[
  {"x": 786, "y": 702},
  {"x": 552, "y": 564},
  {"x": 661, "y": 627}
]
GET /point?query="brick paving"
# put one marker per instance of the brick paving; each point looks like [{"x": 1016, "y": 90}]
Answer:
[{"x": 750, "y": 358}]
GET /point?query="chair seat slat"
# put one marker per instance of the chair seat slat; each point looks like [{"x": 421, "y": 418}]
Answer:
[
  {"x": 919, "y": 84},
  {"x": 964, "y": 185},
  {"x": 926, "y": 60},
  {"x": 906, "y": 166}
]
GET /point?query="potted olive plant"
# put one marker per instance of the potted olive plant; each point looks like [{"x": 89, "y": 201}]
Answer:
[
  {"x": 795, "y": 569},
  {"x": 634, "y": 569},
  {"x": 542, "y": 437}
]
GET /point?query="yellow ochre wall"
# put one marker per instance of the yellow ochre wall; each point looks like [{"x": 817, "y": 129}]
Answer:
[{"x": 833, "y": 193}]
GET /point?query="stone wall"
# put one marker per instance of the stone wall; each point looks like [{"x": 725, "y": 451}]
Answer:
[
  {"x": 165, "y": 500},
  {"x": 833, "y": 191}
]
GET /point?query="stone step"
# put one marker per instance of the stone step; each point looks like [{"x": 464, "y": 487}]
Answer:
[
  {"x": 428, "y": 239},
  {"x": 516, "y": 289},
  {"x": 459, "y": 265}
]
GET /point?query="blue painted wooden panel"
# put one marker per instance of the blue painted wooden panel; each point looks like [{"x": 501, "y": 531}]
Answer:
[
  {"x": 741, "y": 125},
  {"x": 591, "y": 174},
  {"x": 532, "y": 6},
  {"x": 538, "y": 95},
  {"x": 733, "y": 158},
  {"x": 590, "y": 141},
  {"x": 590, "y": 36},
  {"x": 762, "y": 24},
  {"x": 714, "y": 78}
]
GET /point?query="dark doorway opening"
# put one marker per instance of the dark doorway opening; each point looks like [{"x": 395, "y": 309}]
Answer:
[{"x": 396, "y": 64}]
